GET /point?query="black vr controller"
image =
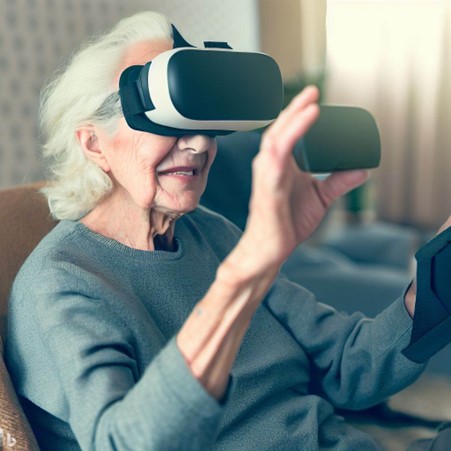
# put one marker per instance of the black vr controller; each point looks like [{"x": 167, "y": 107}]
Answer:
[{"x": 342, "y": 138}]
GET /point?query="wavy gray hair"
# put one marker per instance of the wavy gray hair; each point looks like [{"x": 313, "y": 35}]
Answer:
[{"x": 81, "y": 94}]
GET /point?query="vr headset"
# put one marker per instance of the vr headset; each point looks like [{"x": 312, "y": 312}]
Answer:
[{"x": 210, "y": 91}]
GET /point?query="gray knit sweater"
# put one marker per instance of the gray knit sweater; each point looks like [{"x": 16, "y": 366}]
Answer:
[{"x": 92, "y": 352}]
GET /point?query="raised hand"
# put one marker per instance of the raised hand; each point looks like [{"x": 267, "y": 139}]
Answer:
[{"x": 287, "y": 205}]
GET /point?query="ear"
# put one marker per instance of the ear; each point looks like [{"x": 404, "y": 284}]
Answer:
[{"x": 91, "y": 146}]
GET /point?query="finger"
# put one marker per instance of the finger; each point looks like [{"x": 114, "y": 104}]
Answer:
[
  {"x": 306, "y": 97},
  {"x": 282, "y": 139},
  {"x": 298, "y": 124},
  {"x": 279, "y": 139},
  {"x": 339, "y": 183}
]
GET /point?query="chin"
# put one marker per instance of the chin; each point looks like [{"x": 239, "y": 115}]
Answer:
[
  {"x": 179, "y": 209},
  {"x": 189, "y": 202}
]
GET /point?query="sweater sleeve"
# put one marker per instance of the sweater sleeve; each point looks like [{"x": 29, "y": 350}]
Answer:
[
  {"x": 356, "y": 361},
  {"x": 110, "y": 404}
]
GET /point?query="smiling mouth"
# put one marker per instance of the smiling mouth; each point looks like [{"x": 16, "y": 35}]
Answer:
[{"x": 191, "y": 172}]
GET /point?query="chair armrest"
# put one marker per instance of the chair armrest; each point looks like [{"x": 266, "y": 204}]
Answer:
[{"x": 15, "y": 429}]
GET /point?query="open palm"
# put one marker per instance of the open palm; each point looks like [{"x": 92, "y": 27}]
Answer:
[{"x": 287, "y": 205}]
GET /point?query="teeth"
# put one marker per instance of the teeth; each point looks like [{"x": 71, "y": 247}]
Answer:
[
  {"x": 184, "y": 173},
  {"x": 191, "y": 173}
]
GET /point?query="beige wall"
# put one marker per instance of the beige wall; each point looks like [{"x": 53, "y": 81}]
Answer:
[{"x": 294, "y": 33}]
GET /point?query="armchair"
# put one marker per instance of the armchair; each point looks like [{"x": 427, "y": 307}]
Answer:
[{"x": 24, "y": 220}]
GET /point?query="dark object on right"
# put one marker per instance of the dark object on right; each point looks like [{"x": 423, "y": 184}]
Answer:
[
  {"x": 432, "y": 319},
  {"x": 343, "y": 138}
]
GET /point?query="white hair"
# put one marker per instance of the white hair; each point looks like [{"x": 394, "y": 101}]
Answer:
[{"x": 82, "y": 94}]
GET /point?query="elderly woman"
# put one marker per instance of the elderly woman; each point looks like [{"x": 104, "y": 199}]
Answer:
[{"x": 146, "y": 322}]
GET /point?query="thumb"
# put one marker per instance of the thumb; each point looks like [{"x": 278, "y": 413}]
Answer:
[{"x": 339, "y": 183}]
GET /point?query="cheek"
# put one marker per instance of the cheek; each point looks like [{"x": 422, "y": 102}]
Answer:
[
  {"x": 122, "y": 137},
  {"x": 138, "y": 153},
  {"x": 211, "y": 155}
]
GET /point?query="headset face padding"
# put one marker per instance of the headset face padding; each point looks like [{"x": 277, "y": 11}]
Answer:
[{"x": 202, "y": 91}]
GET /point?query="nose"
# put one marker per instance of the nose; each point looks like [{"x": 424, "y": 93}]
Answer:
[{"x": 195, "y": 143}]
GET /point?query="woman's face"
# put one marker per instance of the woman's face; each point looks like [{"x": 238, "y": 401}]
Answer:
[{"x": 166, "y": 174}]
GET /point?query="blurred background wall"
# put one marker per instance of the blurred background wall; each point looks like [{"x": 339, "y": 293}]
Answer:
[
  {"x": 394, "y": 59},
  {"x": 37, "y": 36}
]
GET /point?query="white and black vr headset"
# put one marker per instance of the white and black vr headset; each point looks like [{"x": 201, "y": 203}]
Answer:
[{"x": 211, "y": 91}]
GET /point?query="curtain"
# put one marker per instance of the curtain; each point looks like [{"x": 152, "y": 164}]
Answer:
[{"x": 393, "y": 58}]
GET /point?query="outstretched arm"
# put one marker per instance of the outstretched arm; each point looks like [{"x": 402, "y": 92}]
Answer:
[{"x": 286, "y": 207}]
